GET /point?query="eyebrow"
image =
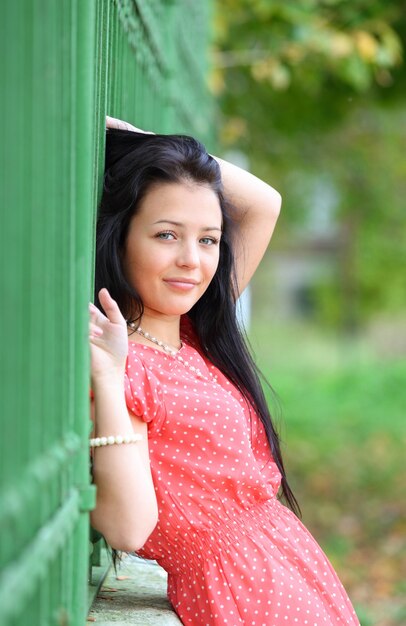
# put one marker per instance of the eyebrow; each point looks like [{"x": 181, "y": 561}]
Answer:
[{"x": 180, "y": 224}]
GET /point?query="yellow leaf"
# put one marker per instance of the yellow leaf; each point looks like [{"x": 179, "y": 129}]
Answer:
[
  {"x": 341, "y": 45},
  {"x": 272, "y": 70},
  {"x": 366, "y": 45},
  {"x": 232, "y": 130},
  {"x": 216, "y": 81},
  {"x": 280, "y": 77}
]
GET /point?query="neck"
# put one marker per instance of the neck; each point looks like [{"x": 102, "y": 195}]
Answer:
[{"x": 166, "y": 330}]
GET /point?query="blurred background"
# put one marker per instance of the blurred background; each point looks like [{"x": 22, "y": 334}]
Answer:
[{"x": 312, "y": 98}]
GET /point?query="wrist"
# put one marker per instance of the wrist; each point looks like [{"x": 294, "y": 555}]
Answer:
[{"x": 109, "y": 379}]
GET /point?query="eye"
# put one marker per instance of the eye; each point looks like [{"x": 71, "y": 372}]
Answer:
[
  {"x": 209, "y": 241},
  {"x": 166, "y": 235}
]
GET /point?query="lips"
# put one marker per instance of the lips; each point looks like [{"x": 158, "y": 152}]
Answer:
[{"x": 183, "y": 284}]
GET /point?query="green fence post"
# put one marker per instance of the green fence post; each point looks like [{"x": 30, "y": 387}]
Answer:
[{"x": 46, "y": 161}]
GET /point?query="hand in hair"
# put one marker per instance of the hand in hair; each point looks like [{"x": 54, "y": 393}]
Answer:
[{"x": 113, "y": 122}]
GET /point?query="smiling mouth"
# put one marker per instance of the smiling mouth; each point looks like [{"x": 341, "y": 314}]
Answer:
[{"x": 184, "y": 284}]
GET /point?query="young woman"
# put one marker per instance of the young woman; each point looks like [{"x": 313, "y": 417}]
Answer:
[{"x": 189, "y": 468}]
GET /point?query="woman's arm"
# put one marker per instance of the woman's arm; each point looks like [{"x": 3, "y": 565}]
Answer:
[
  {"x": 256, "y": 209},
  {"x": 126, "y": 509}
]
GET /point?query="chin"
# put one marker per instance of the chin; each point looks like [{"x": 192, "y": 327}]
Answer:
[{"x": 171, "y": 311}]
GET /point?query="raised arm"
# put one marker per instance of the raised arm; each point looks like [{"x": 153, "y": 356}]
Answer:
[
  {"x": 256, "y": 210},
  {"x": 126, "y": 509}
]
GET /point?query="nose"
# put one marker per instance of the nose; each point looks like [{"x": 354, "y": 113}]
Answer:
[{"x": 189, "y": 255}]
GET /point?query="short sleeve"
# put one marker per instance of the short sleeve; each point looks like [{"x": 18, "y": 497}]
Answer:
[{"x": 143, "y": 393}]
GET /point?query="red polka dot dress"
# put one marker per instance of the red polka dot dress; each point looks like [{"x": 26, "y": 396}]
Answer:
[{"x": 234, "y": 554}]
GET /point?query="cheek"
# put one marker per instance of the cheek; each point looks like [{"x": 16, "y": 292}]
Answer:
[
  {"x": 140, "y": 273},
  {"x": 139, "y": 261},
  {"x": 212, "y": 265},
  {"x": 134, "y": 269}
]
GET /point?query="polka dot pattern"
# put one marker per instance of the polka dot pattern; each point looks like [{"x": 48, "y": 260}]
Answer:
[{"x": 234, "y": 554}]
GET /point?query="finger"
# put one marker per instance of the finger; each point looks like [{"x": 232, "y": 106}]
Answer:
[
  {"x": 111, "y": 308},
  {"x": 93, "y": 310},
  {"x": 113, "y": 122},
  {"x": 95, "y": 330},
  {"x": 96, "y": 316}
]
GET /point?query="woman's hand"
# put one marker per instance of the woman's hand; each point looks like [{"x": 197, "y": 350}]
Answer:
[
  {"x": 113, "y": 122},
  {"x": 108, "y": 339}
]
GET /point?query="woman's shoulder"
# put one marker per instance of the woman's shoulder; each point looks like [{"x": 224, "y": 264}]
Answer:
[
  {"x": 143, "y": 383},
  {"x": 148, "y": 361},
  {"x": 144, "y": 357}
]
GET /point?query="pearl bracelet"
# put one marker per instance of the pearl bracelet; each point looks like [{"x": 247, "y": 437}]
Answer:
[{"x": 110, "y": 441}]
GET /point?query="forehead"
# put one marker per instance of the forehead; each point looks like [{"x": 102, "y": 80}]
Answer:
[{"x": 183, "y": 202}]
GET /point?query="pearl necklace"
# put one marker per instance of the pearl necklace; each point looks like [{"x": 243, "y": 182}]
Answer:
[{"x": 173, "y": 353}]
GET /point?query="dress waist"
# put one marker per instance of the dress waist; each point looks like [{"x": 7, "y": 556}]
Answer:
[{"x": 191, "y": 548}]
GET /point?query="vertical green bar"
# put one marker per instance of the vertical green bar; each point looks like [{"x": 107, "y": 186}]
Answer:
[
  {"x": 47, "y": 208},
  {"x": 84, "y": 127},
  {"x": 172, "y": 14}
]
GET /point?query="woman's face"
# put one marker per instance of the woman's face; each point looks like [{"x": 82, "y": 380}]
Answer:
[{"x": 172, "y": 247}]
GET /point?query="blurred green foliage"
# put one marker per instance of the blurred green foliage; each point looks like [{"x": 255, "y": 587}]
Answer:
[
  {"x": 313, "y": 92},
  {"x": 316, "y": 48},
  {"x": 344, "y": 435}
]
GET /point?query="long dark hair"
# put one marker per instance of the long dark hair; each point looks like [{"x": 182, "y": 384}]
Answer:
[{"x": 135, "y": 162}]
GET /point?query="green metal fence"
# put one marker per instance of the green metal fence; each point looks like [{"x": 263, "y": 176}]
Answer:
[{"x": 64, "y": 65}]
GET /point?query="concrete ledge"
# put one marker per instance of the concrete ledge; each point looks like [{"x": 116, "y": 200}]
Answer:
[{"x": 139, "y": 598}]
